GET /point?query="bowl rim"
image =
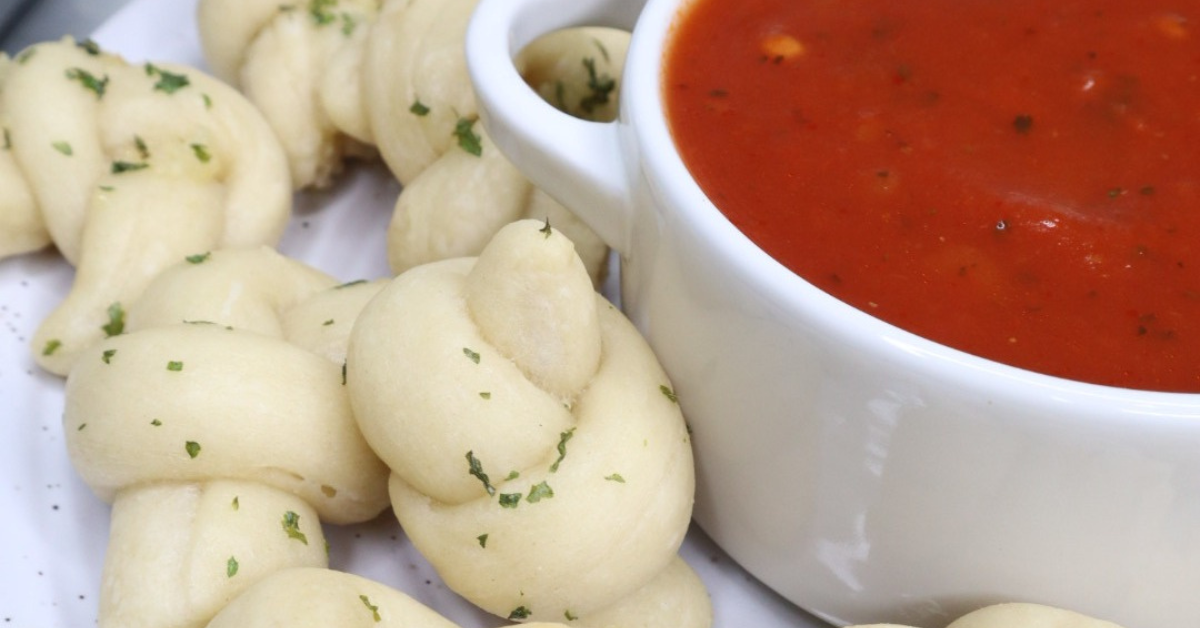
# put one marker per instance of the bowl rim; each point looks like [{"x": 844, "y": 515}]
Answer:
[{"x": 644, "y": 118}]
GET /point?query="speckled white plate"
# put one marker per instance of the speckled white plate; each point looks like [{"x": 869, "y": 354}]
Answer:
[{"x": 53, "y": 531}]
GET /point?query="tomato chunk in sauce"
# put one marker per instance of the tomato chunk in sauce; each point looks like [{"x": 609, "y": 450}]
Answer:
[{"x": 1018, "y": 179}]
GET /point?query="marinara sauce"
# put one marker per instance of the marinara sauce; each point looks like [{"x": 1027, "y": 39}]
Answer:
[{"x": 1019, "y": 179}]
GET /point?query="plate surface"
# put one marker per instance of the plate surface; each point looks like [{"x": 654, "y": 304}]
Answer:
[{"x": 53, "y": 530}]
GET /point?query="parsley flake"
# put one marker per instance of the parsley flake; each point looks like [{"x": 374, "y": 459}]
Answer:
[
  {"x": 616, "y": 477},
  {"x": 7, "y": 139},
  {"x": 327, "y": 323},
  {"x": 601, "y": 87},
  {"x": 156, "y": 423},
  {"x": 199, "y": 258},
  {"x": 26, "y": 55},
  {"x": 121, "y": 167},
  {"x": 89, "y": 81},
  {"x": 562, "y": 448},
  {"x": 89, "y": 46},
  {"x": 192, "y": 448},
  {"x": 321, "y": 11},
  {"x": 291, "y": 525},
  {"x": 237, "y": 504},
  {"x": 475, "y": 468},
  {"x": 538, "y": 492},
  {"x": 231, "y": 567},
  {"x": 468, "y": 139},
  {"x": 174, "y": 366},
  {"x": 141, "y": 147},
  {"x": 168, "y": 82},
  {"x": 116, "y": 321},
  {"x": 107, "y": 356},
  {"x": 350, "y": 283},
  {"x": 546, "y": 230},
  {"x": 518, "y": 613},
  {"x": 52, "y": 345},
  {"x": 471, "y": 355},
  {"x": 669, "y": 394},
  {"x": 201, "y": 153},
  {"x": 485, "y": 395},
  {"x": 81, "y": 426},
  {"x": 64, "y": 148},
  {"x": 419, "y": 108},
  {"x": 482, "y": 538},
  {"x": 371, "y": 607},
  {"x": 510, "y": 500},
  {"x": 569, "y": 615}
]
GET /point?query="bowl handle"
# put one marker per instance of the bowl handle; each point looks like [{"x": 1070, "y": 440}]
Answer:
[{"x": 578, "y": 162}]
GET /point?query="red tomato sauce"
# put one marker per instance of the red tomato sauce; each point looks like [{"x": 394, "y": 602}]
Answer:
[{"x": 1019, "y": 179}]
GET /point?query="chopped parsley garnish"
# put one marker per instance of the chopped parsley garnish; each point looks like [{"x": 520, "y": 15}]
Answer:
[
  {"x": 475, "y": 468},
  {"x": 538, "y": 492},
  {"x": 485, "y": 395},
  {"x": 120, "y": 167},
  {"x": 192, "y": 448},
  {"x": 348, "y": 24},
  {"x": 512, "y": 475},
  {"x": 321, "y": 11},
  {"x": 468, "y": 139},
  {"x": 52, "y": 345},
  {"x": 116, "y": 321},
  {"x": 510, "y": 500},
  {"x": 107, "y": 356},
  {"x": 207, "y": 101},
  {"x": 291, "y": 525},
  {"x": 201, "y": 153},
  {"x": 231, "y": 567},
  {"x": 546, "y": 230},
  {"x": 26, "y": 55},
  {"x": 174, "y": 366},
  {"x": 89, "y": 81},
  {"x": 81, "y": 426},
  {"x": 350, "y": 283},
  {"x": 419, "y": 108},
  {"x": 616, "y": 477},
  {"x": 167, "y": 81},
  {"x": 141, "y": 147},
  {"x": 89, "y": 46},
  {"x": 601, "y": 87},
  {"x": 343, "y": 372},
  {"x": 7, "y": 138},
  {"x": 156, "y": 423},
  {"x": 482, "y": 538},
  {"x": 669, "y": 394},
  {"x": 371, "y": 607},
  {"x": 519, "y": 612},
  {"x": 569, "y": 615},
  {"x": 471, "y": 355},
  {"x": 64, "y": 148},
  {"x": 327, "y": 323},
  {"x": 236, "y": 503},
  {"x": 562, "y": 448},
  {"x": 199, "y": 258}
]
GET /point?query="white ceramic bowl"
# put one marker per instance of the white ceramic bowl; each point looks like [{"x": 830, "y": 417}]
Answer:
[{"x": 864, "y": 473}]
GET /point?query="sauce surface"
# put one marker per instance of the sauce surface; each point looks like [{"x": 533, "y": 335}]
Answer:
[{"x": 1019, "y": 179}]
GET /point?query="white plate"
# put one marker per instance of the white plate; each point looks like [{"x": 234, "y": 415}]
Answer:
[{"x": 53, "y": 530}]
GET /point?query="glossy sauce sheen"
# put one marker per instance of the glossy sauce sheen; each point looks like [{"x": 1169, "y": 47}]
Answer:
[{"x": 1014, "y": 178}]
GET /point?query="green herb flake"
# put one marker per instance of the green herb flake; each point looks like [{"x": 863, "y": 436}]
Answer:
[
  {"x": 327, "y": 323},
  {"x": 546, "y": 230},
  {"x": 510, "y": 500},
  {"x": 168, "y": 82},
  {"x": 207, "y": 101},
  {"x": 538, "y": 492},
  {"x": 231, "y": 567},
  {"x": 519, "y": 613},
  {"x": 199, "y": 258},
  {"x": 107, "y": 356},
  {"x": 669, "y": 394},
  {"x": 343, "y": 372},
  {"x": 89, "y": 81},
  {"x": 81, "y": 426},
  {"x": 236, "y": 503},
  {"x": 64, "y": 148},
  {"x": 512, "y": 475},
  {"x": 601, "y": 87},
  {"x": 201, "y": 153},
  {"x": 468, "y": 139},
  {"x": 475, "y": 468},
  {"x": 350, "y": 283},
  {"x": 291, "y": 525},
  {"x": 485, "y": 395},
  {"x": 419, "y": 108},
  {"x": 562, "y": 448},
  {"x": 1023, "y": 124},
  {"x": 116, "y": 321},
  {"x": 471, "y": 355},
  {"x": 90, "y": 47},
  {"x": 174, "y": 366},
  {"x": 107, "y": 188},
  {"x": 616, "y": 477},
  {"x": 141, "y": 147},
  {"x": 371, "y": 607},
  {"x": 26, "y": 55},
  {"x": 321, "y": 11},
  {"x": 121, "y": 167},
  {"x": 156, "y": 423},
  {"x": 7, "y": 139},
  {"x": 349, "y": 23},
  {"x": 52, "y": 345},
  {"x": 192, "y": 448},
  {"x": 569, "y": 615},
  {"x": 482, "y": 538}
]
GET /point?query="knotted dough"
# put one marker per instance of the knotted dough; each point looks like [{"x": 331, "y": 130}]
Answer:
[
  {"x": 221, "y": 445},
  {"x": 298, "y": 63},
  {"x": 132, "y": 167},
  {"x": 539, "y": 458},
  {"x": 1019, "y": 615}
]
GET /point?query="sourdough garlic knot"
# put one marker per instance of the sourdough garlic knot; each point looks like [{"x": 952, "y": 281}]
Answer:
[
  {"x": 539, "y": 458},
  {"x": 221, "y": 444},
  {"x": 130, "y": 167}
]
